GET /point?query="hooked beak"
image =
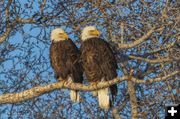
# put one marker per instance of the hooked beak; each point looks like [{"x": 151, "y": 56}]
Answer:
[
  {"x": 63, "y": 35},
  {"x": 95, "y": 33}
]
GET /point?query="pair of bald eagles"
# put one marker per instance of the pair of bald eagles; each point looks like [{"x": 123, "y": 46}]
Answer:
[{"x": 95, "y": 58}]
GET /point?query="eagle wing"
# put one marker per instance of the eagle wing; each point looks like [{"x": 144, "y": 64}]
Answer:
[
  {"x": 64, "y": 57},
  {"x": 99, "y": 61}
]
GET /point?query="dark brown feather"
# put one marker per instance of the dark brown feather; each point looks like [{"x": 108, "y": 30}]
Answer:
[
  {"x": 65, "y": 57},
  {"x": 99, "y": 61}
]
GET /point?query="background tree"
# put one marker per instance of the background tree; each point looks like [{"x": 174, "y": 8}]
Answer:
[{"x": 144, "y": 34}]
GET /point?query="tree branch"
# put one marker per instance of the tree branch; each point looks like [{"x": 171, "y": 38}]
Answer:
[
  {"x": 5, "y": 34},
  {"x": 160, "y": 49},
  {"x": 137, "y": 42},
  {"x": 8, "y": 29},
  {"x": 153, "y": 80},
  {"x": 25, "y": 21},
  {"x": 40, "y": 90},
  {"x": 159, "y": 60},
  {"x": 133, "y": 100},
  {"x": 115, "y": 113}
]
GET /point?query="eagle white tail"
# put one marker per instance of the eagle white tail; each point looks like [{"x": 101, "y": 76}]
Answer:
[
  {"x": 103, "y": 98},
  {"x": 74, "y": 95}
]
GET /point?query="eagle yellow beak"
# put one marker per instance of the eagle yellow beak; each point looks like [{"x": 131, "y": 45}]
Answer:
[
  {"x": 63, "y": 35},
  {"x": 95, "y": 33}
]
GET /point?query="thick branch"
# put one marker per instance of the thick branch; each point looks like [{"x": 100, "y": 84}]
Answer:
[
  {"x": 8, "y": 29},
  {"x": 40, "y": 90},
  {"x": 133, "y": 100},
  {"x": 5, "y": 35}
]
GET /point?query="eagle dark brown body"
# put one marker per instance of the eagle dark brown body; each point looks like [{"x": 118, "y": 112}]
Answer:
[
  {"x": 64, "y": 57},
  {"x": 99, "y": 61}
]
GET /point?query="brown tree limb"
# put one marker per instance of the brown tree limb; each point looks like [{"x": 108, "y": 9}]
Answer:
[
  {"x": 133, "y": 100},
  {"x": 8, "y": 29},
  {"x": 115, "y": 113},
  {"x": 40, "y": 90},
  {"x": 137, "y": 42},
  {"x": 132, "y": 95},
  {"x": 122, "y": 32},
  {"x": 25, "y": 21},
  {"x": 160, "y": 49},
  {"x": 153, "y": 80},
  {"x": 159, "y": 60},
  {"x": 5, "y": 34}
]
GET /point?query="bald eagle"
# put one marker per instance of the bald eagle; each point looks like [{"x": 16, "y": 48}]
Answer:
[
  {"x": 64, "y": 56},
  {"x": 99, "y": 64}
]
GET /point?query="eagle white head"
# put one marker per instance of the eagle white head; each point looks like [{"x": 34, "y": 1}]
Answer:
[
  {"x": 58, "y": 34},
  {"x": 89, "y": 32}
]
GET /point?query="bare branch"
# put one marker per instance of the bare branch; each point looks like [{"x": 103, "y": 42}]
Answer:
[
  {"x": 159, "y": 60},
  {"x": 137, "y": 42},
  {"x": 115, "y": 113},
  {"x": 133, "y": 100},
  {"x": 153, "y": 80},
  {"x": 122, "y": 32},
  {"x": 40, "y": 90},
  {"x": 8, "y": 29},
  {"x": 7, "y": 32},
  {"x": 24, "y": 21}
]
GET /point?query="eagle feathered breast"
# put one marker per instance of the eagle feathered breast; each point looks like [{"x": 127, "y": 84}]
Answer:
[
  {"x": 99, "y": 61},
  {"x": 64, "y": 57}
]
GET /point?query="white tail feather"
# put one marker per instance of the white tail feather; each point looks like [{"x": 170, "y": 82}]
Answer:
[
  {"x": 74, "y": 95},
  {"x": 103, "y": 98}
]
